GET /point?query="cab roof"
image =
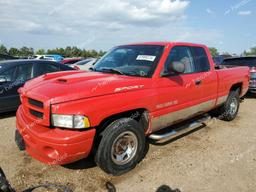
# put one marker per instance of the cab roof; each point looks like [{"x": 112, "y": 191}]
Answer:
[{"x": 166, "y": 43}]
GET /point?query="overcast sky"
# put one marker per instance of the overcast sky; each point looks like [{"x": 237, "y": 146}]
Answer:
[{"x": 228, "y": 25}]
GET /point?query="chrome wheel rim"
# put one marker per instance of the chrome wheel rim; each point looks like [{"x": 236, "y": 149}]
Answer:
[
  {"x": 233, "y": 106},
  {"x": 124, "y": 148}
]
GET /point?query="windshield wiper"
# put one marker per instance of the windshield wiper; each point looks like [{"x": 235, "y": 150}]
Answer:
[{"x": 111, "y": 70}]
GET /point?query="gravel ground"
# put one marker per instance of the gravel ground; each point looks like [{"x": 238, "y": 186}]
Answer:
[{"x": 219, "y": 157}]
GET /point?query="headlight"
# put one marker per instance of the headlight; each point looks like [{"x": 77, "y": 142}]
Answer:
[{"x": 70, "y": 121}]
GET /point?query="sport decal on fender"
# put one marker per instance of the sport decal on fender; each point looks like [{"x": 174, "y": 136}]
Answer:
[{"x": 128, "y": 88}]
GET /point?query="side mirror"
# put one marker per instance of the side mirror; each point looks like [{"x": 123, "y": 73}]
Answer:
[
  {"x": 176, "y": 67},
  {"x": 3, "y": 79}
]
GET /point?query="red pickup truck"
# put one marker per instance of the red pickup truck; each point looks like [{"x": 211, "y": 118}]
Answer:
[{"x": 133, "y": 93}]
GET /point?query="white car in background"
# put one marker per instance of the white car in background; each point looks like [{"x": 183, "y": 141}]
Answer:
[
  {"x": 84, "y": 64},
  {"x": 53, "y": 57}
]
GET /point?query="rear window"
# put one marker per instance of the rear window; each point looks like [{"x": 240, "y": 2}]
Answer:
[{"x": 250, "y": 62}]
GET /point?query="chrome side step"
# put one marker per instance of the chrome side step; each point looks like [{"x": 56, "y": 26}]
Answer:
[{"x": 180, "y": 130}]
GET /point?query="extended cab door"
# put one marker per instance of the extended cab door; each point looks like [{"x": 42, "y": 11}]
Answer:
[
  {"x": 179, "y": 95},
  {"x": 207, "y": 76}
]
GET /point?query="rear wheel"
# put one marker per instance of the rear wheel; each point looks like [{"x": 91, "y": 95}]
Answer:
[
  {"x": 121, "y": 147},
  {"x": 229, "y": 110}
]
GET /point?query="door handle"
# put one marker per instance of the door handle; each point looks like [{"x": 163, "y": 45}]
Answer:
[{"x": 198, "y": 82}]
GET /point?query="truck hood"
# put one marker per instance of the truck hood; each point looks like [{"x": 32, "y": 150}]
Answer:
[{"x": 72, "y": 85}]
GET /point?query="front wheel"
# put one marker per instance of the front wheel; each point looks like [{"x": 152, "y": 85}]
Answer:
[{"x": 121, "y": 147}]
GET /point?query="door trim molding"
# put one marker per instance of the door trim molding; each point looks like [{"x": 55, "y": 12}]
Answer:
[{"x": 171, "y": 118}]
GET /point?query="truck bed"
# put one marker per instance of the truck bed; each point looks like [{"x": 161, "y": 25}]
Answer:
[
  {"x": 219, "y": 67},
  {"x": 231, "y": 75}
]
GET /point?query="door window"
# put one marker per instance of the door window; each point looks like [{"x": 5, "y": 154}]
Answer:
[
  {"x": 8, "y": 74},
  {"x": 201, "y": 59},
  {"x": 24, "y": 72},
  {"x": 181, "y": 54},
  {"x": 47, "y": 68}
]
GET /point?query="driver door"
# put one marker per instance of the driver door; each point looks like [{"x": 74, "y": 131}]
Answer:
[{"x": 178, "y": 94}]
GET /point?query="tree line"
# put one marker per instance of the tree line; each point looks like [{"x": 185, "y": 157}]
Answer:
[
  {"x": 251, "y": 52},
  {"x": 66, "y": 52},
  {"x": 77, "y": 52}
]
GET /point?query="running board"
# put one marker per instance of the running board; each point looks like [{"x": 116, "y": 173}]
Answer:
[{"x": 180, "y": 130}]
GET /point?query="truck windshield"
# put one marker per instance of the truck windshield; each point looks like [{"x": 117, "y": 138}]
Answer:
[{"x": 132, "y": 60}]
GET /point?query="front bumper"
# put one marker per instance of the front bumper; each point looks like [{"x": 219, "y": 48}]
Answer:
[{"x": 53, "y": 146}]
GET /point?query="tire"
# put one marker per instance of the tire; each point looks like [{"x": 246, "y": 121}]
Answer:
[
  {"x": 19, "y": 141},
  {"x": 121, "y": 147},
  {"x": 229, "y": 110}
]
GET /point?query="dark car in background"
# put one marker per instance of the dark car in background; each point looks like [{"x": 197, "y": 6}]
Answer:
[
  {"x": 13, "y": 75},
  {"x": 245, "y": 61}
]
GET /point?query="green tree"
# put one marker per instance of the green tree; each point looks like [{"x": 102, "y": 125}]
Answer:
[
  {"x": 40, "y": 52},
  {"x": 252, "y": 51},
  {"x": 214, "y": 51},
  {"x": 76, "y": 52},
  {"x": 59, "y": 51},
  {"x": 101, "y": 53},
  {"x": 26, "y": 51},
  {"x": 68, "y": 51},
  {"x": 92, "y": 53},
  {"x": 84, "y": 53},
  {"x": 3, "y": 50},
  {"x": 14, "y": 52}
]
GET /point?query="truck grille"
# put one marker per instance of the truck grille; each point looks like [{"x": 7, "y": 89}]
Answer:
[
  {"x": 34, "y": 109},
  {"x": 36, "y": 113},
  {"x": 36, "y": 103}
]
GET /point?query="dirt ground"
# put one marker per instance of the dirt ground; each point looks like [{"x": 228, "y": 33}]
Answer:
[{"x": 219, "y": 157}]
